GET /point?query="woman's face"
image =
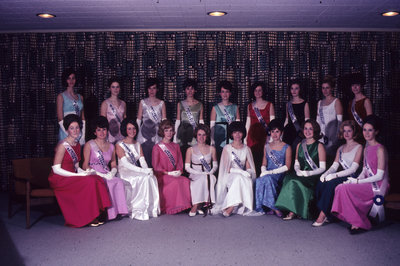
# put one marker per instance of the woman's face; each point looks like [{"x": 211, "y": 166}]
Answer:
[
  {"x": 152, "y": 90},
  {"x": 356, "y": 88},
  {"x": 169, "y": 133},
  {"x": 295, "y": 90},
  {"x": 201, "y": 136},
  {"x": 258, "y": 92},
  {"x": 190, "y": 91},
  {"x": 101, "y": 133},
  {"x": 225, "y": 94},
  {"x": 130, "y": 130},
  {"x": 369, "y": 132},
  {"x": 326, "y": 89},
  {"x": 348, "y": 133},
  {"x": 308, "y": 131},
  {"x": 114, "y": 88},
  {"x": 237, "y": 136},
  {"x": 74, "y": 130},
  {"x": 276, "y": 134},
  {"x": 71, "y": 80}
]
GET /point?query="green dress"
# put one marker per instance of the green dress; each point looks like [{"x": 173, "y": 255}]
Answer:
[{"x": 298, "y": 191}]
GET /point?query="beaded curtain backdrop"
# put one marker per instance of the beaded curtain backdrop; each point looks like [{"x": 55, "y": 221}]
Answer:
[{"x": 31, "y": 65}]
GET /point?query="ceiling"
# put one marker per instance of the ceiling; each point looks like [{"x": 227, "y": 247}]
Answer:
[{"x": 176, "y": 15}]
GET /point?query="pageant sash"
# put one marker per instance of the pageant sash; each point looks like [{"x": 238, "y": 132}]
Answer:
[
  {"x": 260, "y": 118},
  {"x": 132, "y": 154},
  {"x": 343, "y": 162},
  {"x": 202, "y": 159},
  {"x": 309, "y": 160},
  {"x": 322, "y": 118},
  {"x": 272, "y": 156},
  {"x": 293, "y": 117},
  {"x": 226, "y": 114},
  {"x": 99, "y": 155},
  {"x": 189, "y": 114},
  {"x": 355, "y": 115},
  {"x": 114, "y": 111},
  {"x": 151, "y": 112},
  {"x": 168, "y": 153},
  {"x": 71, "y": 153},
  {"x": 237, "y": 160}
]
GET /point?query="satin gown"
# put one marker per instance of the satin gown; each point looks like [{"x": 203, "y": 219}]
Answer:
[
  {"x": 297, "y": 192},
  {"x": 220, "y": 130},
  {"x": 114, "y": 133},
  {"x": 352, "y": 202},
  {"x": 268, "y": 186},
  {"x": 174, "y": 191},
  {"x": 81, "y": 198},
  {"x": 70, "y": 108},
  {"x": 142, "y": 196},
  {"x": 116, "y": 187}
]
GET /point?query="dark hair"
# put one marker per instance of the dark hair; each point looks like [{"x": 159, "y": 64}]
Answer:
[
  {"x": 99, "y": 122},
  {"x": 124, "y": 125},
  {"x": 112, "y": 80},
  {"x": 316, "y": 129},
  {"x": 66, "y": 73},
  {"x": 165, "y": 124},
  {"x": 351, "y": 124},
  {"x": 357, "y": 78},
  {"x": 253, "y": 88},
  {"x": 330, "y": 80},
  {"x": 150, "y": 82},
  {"x": 298, "y": 82},
  {"x": 68, "y": 119},
  {"x": 237, "y": 126},
  {"x": 374, "y": 121},
  {"x": 224, "y": 84},
  {"x": 275, "y": 124},
  {"x": 203, "y": 127},
  {"x": 190, "y": 83}
]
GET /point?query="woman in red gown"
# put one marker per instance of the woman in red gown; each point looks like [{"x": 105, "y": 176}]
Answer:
[{"x": 81, "y": 195}]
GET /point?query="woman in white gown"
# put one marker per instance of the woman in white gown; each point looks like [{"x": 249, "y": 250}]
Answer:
[
  {"x": 142, "y": 192},
  {"x": 201, "y": 163},
  {"x": 236, "y": 175}
]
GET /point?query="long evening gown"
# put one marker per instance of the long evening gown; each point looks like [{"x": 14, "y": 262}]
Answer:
[
  {"x": 221, "y": 125},
  {"x": 115, "y": 185},
  {"x": 297, "y": 192},
  {"x": 352, "y": 202},
  {"x": 268, "y": 186},
  {"x": 70, "y": 106},
  {"x": 174, "y": 191},
  {"x": 142, "y": 197},
  {"x": 81, "y": 198},
  {"x": 115, "y": 115}
]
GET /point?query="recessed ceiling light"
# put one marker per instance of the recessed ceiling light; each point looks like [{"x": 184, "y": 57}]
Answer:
[
  {"x": 217, "y": 13},
  {"x": 45, "y": 15},
  {"x": 390, "y": 14}
]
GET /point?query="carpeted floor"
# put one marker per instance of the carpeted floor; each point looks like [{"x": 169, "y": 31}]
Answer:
[{"x": 182, "y": 240}]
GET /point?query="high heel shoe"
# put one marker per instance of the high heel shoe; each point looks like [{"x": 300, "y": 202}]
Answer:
[
  {"x": 289, "y": 217},
  {"x": 317, "y": 224},
  {"x": 226, "y": 214},
  {"x": 192, "y": 214}
]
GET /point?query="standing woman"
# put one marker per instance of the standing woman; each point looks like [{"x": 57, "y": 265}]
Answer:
[
  {"x": 142, "y": 197},
  {"x": 189, "y": 114},
  {"x": 362, "y": 195},
  {"x": 69, "y": 102},
  {"x": 329, "y": 116},
  {"x": 201, "y": 163},
  {"x": 276, "y": 161},
  {"x": 297, "y": 111},
  {"x": 99, "y": 153},
  {"x": 82, "y": 195},
  {"x": 222, "y": 114},
  {"x": 115, "y": 111},
  {"x": 168, "y": 167},
  {"x": 259, "y": 113},
  {"x": 348, "y": 156},
  {"x": 299, "y": 187},
  {"x": 150, "y": 114},
  {"x": 236, "y": 175}
]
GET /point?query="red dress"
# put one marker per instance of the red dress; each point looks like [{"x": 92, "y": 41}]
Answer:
[{"x": 80, "y": 197}]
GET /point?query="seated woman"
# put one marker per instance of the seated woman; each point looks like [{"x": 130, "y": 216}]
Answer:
[
  {"x": 168, "y": 166},
  {"x": 142, "y": 195},
  {"x": 353, "y": 199},
  {"x": 236, "y": 175},
  {"x": 276, "y": 161},
  {"x": 348, "y": 156},
  {"x": 98, "y": 153},
  {"x": 201, "y": 163},
  {"x": 299, "y": 186},
  {"x": 82, "y": 195}
]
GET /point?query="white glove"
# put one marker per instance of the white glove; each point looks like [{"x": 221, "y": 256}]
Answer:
[
  {"x": 82, "y": 135},
  {"x": 279, "y": 170},
  {"x": 331, "y": 170},
  {"x": 339, "y": 118},
  {"x": 377, "y": 177},
  {"x": 201, "y": 121},
  {"x": 110, "y": 175},
  {"x": 351, "y": 180},
  {"x": 352, "y": 169},
  {"x": 177, "y": 123},
  {"x": 102, "y": 175},
  {"x": 143, "y": 162},
  {"x": 297, "y": 168},
  {"x": 139, "y": 122},
  {"x": 62, "y": 172},
  {"x": 124, "y": 162},
  {"x": 214, "y": 168},
  {"x": 247, "y": 129},
  {"x": 321, "y": 169},
  {"x": 190, "y": 170},
  {"x": 175, "y": 173},
  {"x": 264, "y": 171},
  {"x": 212, "y": 127},
  {"x": 61, "y": 124},
  {"x": 286, "y": 121},
  {"x": 271, "y": 117},
  {"x": 241, "y": 172}
]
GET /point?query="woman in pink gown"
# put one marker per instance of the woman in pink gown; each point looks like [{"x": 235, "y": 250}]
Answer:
[
  {"x": 82, "y": 195},
  {"x": 359, "y": 196},
  {"x": 168, "y": 166},
  {"x": 98, "y": 154}
]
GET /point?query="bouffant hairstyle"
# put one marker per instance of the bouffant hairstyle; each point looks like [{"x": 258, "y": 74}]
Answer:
[
  {"x": 203, "y": 127},
  {"x": 150, "y": 82},
  {"x": 68, "y": 119},
  {"x": 224, "y": 84},
  {"x": 316, "y": 128},
  {"x": 190, "y": 83},
  {"x": 112, "y": 80},
  {"x": 253, "y": 88},
  {"x": 298, "y": 82},
  {"x": 374, "y": 121},
  {"x": 351, "y": 124},
  {"x": 275, "y": 124},
  {"x": 65, "y": 76},
  {"x": 237, "y": 126},
  {"x": 357, "y": 78},
  {"x": 124, "y": 125},
  {"x": 165, "y": 124},
  {"x": 330, "y": 80},
  {"x": 100, "y": 122}
]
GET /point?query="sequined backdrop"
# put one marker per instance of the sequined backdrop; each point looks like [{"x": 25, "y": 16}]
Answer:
[{"x": 31, "y": 65}]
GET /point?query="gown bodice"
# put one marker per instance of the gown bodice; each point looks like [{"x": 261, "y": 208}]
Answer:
[
  {"x": 280, "y": 156},
  {"x": 196, "y": 156},
  {"x": 94, "y": 161},
  {"x": 71, "y": 106},
  {"x": 313, "y": 151}
]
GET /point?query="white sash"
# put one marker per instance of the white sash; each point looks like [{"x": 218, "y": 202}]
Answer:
[
  {"x": 99, "y": 155},
  {"x": 260, "y": 118},
  {"x": 71, "y": 153},
  {"x": 114, "y": 112},
  {"x": 293, "y": 116},
  {"x": 151, "y": 112},
  {"x": 226, "y": 114},
  {"x": 132, "y": 154},
  {"x": 355, "y": 115},
  {"x": 168, "y": 153},
  {"x": 272, "y": 156},
  {"x": 202, "y": 159},
  {"x": 237, "y": 160},
  {"x": 309, "y": 160},
  {"x": 189, "y": 114}
]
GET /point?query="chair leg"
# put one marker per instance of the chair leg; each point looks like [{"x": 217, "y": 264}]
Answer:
[{"x": 28, "y": 204}]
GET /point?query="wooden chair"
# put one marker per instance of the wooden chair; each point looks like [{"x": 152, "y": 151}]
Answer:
[{"x": 30, "y": 182}]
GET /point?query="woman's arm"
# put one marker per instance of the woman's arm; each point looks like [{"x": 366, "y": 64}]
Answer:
[
  {"x": 103, "y": 109},
  {"x": 368, "y": 106},
  {"x": 271, "y": 112},
  {"x": 86, "y": 156},
  {"x": 163, "y": 111},
  {"x": 83, "y": 109},
  {"x": 60, "y": 103},
  {"x": 306, "y": 111}
]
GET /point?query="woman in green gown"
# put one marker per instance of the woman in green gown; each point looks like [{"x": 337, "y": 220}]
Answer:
[{"x": 298, "y": 187}]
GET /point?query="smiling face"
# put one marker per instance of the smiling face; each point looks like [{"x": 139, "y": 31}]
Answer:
[
  {"x": 326, "y": 89},
  {"x": 152, "y": 90},
  {"x": 225, "y": 94},
  {"x": 295, "y": 90},
  {"x": 356, "y": 88},
  {"x": 190, "y": 91},
  {"x": 114, "y": 88},
  {"x": 369, "y": 132},
  {"x": 71, "y": 80},
  {"x": 348, "y": 133},
  {"x": 169, "y": 133},
  {"x": 237, "y": 136},
  {"x": 258, "y": 92},
  {"x": 308, "y": 131},
  {"x": 276, "y": 134},
  {"x": 101, "y": 133},
  {"x": 131, "y": 130},
  {"x": 74, "y": 130},
  {"x": 201, "y": 136}
]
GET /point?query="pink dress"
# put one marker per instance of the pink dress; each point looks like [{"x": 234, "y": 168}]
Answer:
[
  {"x": 174, "y": 191},
  {"x": 116, "y": 187},
  {"x": 353, "y": 202},
  {"x": 81, "y": 198}
]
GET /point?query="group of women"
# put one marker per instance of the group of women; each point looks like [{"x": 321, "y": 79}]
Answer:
[{"x": 143, "y": 174}]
